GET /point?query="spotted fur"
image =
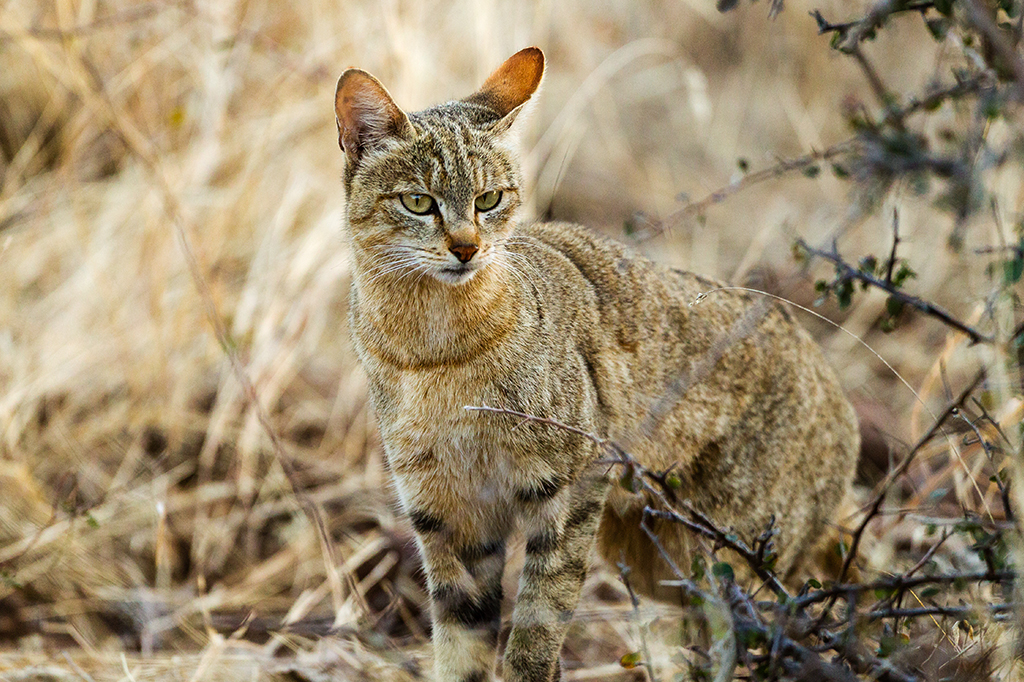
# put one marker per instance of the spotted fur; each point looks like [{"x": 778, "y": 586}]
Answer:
[{"x": 458, "y": 306}]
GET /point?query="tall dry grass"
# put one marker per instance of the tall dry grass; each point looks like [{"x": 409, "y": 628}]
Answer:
[{"x": 143, "y": 507}]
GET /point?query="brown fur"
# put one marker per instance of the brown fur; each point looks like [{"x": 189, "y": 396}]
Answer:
[{"x": 551, "y": 320}]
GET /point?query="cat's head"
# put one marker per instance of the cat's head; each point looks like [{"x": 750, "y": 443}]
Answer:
[{"x": 434, "y": 192}]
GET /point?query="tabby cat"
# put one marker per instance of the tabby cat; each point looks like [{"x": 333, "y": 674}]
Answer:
[{"x": 457, "y": 302}]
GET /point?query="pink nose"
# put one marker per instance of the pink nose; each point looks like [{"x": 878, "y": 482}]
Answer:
[{"x": 464, "y": 252}]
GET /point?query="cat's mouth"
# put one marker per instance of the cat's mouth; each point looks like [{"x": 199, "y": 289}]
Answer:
[{"x": 457, "y": 274}]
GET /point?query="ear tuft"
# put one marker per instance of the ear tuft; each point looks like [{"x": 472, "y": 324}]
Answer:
[
  {"x": 366, "y": 113},
  {"x": 513, "y": 83}
]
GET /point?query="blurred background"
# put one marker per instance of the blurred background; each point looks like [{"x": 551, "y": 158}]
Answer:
[{"x": 167, "y": 163}]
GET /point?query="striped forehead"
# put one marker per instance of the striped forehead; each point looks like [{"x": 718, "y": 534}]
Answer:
[{"x": 458, "y": 157}]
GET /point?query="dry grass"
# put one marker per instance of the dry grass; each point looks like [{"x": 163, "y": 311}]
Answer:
[{"x": 147, "y": 527}]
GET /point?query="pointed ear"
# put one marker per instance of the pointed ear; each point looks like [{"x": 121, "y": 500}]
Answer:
[
  {"x": 515, "y": 81},
  {"x": 366, "y": 114}
]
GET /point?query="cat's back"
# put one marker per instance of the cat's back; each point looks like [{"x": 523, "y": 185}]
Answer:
[{"x": 719, "y": 382}]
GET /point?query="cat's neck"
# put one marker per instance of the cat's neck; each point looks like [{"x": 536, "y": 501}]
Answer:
[{"x": 417, "y": 321}]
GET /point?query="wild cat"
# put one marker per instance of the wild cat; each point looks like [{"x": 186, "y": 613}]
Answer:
[{"x": 455, "y": 301}]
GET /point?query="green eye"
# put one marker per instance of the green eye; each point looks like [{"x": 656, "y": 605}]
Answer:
[
  {"x": 488, "y": 200},
  {"x": 418, "y": 203}
]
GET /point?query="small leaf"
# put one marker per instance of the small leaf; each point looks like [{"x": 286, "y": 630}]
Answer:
[
  {"x": 888, "y": 644},
  {"x": 844, "y": 293},
  {"x": 840, "y": 171},
  {"x": 799, "y": 252},
  {"x": 742, "y": 164},
  {"x": 902, "y": 274},
  {"x": 723, "y": 570},
  {"x": 91, "y": 520},
  {"x": 884, "y": 592},
  {"x": 893, "y": 306},
  {"x": 673, "y": 481},
  {"x": 811, "y": 171},
  {"x": 813, "y": 583},
  {"x": 1012, "y": 271},
  {"x": 630, "y": 660},
  {"x": 944, "y": 7}
]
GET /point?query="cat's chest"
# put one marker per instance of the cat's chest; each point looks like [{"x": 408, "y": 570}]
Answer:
[{"x": 431, "y": 439}]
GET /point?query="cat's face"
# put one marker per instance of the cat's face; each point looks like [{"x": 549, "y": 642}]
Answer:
[
  {"x": 439, "y": 201},
  {"x": 437, "y": 192}
]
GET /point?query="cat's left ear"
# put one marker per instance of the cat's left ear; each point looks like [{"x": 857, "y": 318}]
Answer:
[
  {"x": 508, "y": 89},
  {"x": 366, "y": 114}
]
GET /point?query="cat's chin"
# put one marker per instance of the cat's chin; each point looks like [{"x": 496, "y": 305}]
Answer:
[{"x": 456, "y": 275}]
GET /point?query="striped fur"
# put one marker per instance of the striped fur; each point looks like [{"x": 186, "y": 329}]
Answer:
[{"x": 458, "y": 305}]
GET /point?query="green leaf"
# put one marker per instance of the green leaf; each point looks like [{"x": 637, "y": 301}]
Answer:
[
  {"x": 811, "y": 171},
  {"x": 673, "y": 481},
  {"x": 813, "y": 583},
  {"x": 91, "y": 520},
  {"x": 889, "y": 644},
  {"x": 840, "y": 171},
  {"x": 844, "y": 293},
  {"x": 723, "y": 570},
  {"x": 628, "y": 480},
  {"x": 902, "y": 274},
  {"x": 742, "y": 164},
  {"x": 630, "y": 660},
  {"x": 1012, "y": 271},
  {"x": 944, "y": 7},
  {"x": 893, "y": 306},
  {"x": 884, "y": 592}
]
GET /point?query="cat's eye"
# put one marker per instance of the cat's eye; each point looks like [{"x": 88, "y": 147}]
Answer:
[
  {"x": 488, "y": 200},
  {"x": 419, "y": 204}
]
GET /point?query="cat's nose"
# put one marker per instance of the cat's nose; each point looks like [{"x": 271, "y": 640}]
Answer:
[{"x": 464, "y": 252}]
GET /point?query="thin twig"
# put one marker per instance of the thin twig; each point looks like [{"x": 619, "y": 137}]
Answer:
[
  {"x": 876, "y": 503},
  {"x": 948, "y": 611},
  {"x": 895, "y": 243},
  {"x": 654, "y": 228},
  {"x": 901, "y": 582}
]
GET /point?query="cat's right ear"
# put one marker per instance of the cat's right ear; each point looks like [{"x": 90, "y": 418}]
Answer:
[
  {"x": 511, "y": 86},
  {"x": 366, "y": 114}
]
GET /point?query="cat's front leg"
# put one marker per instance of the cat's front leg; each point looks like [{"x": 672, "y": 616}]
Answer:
[
  {"x": 560, "y": 536},
  {"x": 464, "y": 579}
]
